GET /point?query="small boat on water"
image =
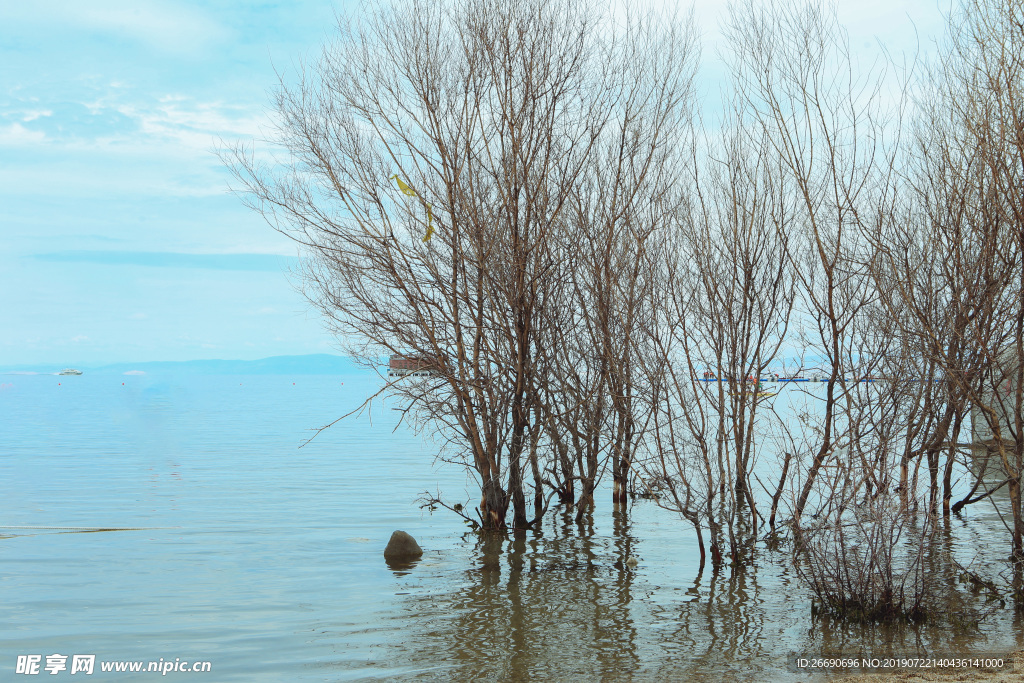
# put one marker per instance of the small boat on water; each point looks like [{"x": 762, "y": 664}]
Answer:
[{"x": 69, "y": 371}]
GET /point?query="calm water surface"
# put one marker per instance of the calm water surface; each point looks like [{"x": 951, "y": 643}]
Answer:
[{"x": 266, "y": 559}]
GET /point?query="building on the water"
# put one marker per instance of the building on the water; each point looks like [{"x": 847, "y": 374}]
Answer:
[{"x": 417, "y": 366}]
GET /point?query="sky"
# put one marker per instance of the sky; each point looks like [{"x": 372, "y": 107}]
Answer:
[{"x": 120, "y": 240}]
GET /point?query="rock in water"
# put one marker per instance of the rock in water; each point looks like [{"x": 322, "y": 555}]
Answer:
[{"x": 402, "y": 546}]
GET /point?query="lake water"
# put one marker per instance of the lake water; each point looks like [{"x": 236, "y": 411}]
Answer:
[{"x": 266, "y": 560}]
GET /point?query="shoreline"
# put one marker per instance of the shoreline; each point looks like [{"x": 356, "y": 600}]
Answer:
[{"x": 994, "y": 676}]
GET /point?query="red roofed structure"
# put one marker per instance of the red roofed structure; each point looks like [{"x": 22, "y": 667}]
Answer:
[{"x": 400, "y": 365}]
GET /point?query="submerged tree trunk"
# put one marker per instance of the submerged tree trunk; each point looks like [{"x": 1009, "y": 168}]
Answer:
[
  {"x": 1017, "y": 555},
  {"x": 538, "y": 479},
  {"x": 588, "y": 485},
  {"x": 567, "y": 490},
  {"x": 515, "y": 485},
  {"x": 823, "y": 450},
  {"x": 778, "y": 491},
  {"x": 493, "y": 505},
  {"x": 620, "y": 490}
]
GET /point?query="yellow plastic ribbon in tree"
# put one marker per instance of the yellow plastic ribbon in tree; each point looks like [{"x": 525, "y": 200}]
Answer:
[
  {"x": 408, "y": 191},
  {"x": 430, "y": 224},
  {"x": 403, "y": 187}
]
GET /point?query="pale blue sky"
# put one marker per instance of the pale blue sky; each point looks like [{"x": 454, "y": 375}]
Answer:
[{"x": 118, "y": 238}]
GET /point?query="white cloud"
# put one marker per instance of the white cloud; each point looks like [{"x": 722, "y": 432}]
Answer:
[
  {"x": 187, "y": 124},
  {"x": 17, "y": 135},
  {"x": 164, "y": 143},
  {"x": 34, "y": 114},
  {"x": 165, "y": 26},
  {"x": 79, "y": 338},
  {"x": 195, "y": 125}
]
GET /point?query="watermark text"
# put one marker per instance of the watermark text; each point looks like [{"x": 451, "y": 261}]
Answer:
[{"x": 32, "y": 665}]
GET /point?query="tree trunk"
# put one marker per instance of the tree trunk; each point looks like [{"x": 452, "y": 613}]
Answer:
[
  {"x": 515, "y": 485},
  {"x": 823, "y": 451},
  {"x": 1018, "y": 523},
  {"x": 567, "y": 492},
  {"x": 515, "y": 469},
  {"x": 778, "y": 491},
  {"x": 538, "y": 480},
  {"x": 933, "y": 482},
  {"x": 621, "y": 479},
  {"x": 493, "y": 504},
  {"x": 1017, "y": 557},
  {"x": 589, "y": 479}
]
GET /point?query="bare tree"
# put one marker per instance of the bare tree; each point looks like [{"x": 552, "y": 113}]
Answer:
[
  {"x": 723, "y": 314},
  {"x": 951, "y": 272},
  {"x": 433, "y": 152},
  {"x": 826, "y": 125},
  {"x": 625, "y": 206}
]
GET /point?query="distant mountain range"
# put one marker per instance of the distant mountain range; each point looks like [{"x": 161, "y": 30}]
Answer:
[{"x": 314, "y": 364}]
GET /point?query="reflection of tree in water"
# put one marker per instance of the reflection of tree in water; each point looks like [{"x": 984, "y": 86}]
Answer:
[
  {"x": 719, "y": 633},
  {"x": 562, "y": 604},
  {"x": 555, "y": 605},
  {"x": 968, "y": 620}
]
